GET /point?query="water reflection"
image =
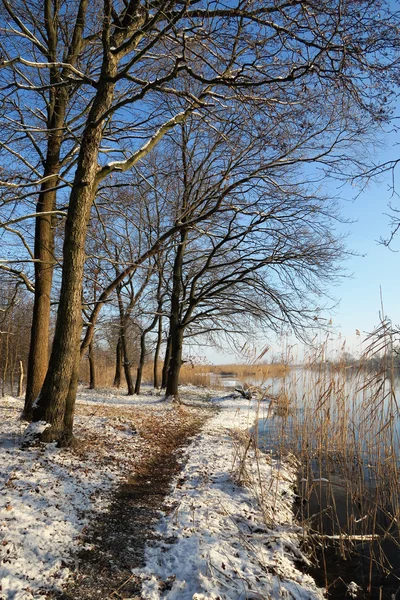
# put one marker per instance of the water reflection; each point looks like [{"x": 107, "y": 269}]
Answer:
[{"x": 344, "y": 428}]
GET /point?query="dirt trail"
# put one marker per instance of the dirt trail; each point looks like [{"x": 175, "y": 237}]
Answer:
[{"x": 117, "y": 542}]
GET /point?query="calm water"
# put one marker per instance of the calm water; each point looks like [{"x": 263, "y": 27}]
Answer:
[{"x": 345, "y": 428}]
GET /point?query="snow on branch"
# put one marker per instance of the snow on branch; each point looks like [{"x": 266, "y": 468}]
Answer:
[
  {"x": 125, "y": 165},
  {"x": 21, "y": 275},
  {"x": 33, "y": 216},
  {"x": 10, "y": 184},
  {"x": 48, "y": 65}
]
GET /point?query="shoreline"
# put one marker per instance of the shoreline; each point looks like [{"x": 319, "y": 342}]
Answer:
[{"x": 232, "y": 514}]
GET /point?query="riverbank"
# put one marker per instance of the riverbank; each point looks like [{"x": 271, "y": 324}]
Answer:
[
  {"x": 230, "y": 527},
  {"x": 226, "y": 529}
]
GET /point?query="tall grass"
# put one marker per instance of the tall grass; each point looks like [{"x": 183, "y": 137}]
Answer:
[
  {"x": 213, "y": 375},
  {"x": 105, "y": 371},
  {"x": 343, "y": 426},
  {"x": 191, "y": 374}
]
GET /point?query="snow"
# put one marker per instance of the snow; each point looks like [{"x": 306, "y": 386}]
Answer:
[
  {"x": 33, "y": 432},
  {"x": 48, "y": 495},
  {"x": 227, "y": 531},
  {"x": 225, "y": 538},
  {"x": 353, "y": 589}
]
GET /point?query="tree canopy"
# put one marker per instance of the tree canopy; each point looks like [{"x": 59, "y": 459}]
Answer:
[{"x": 255, "y": 101}]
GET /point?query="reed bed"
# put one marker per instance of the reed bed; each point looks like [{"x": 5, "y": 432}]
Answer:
[
  {"x": 343, "y": 426},
  {"x": 213, "y": 375},
  {"x": 191, "y": 374}
]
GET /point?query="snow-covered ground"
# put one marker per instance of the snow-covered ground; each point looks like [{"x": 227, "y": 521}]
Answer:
[
  {"x": 48, "y": 495},
  {"x": 228, "y": 532}
]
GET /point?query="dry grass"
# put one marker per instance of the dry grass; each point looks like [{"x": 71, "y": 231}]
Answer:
[
  {"x": 105, "y": 371},
  {"x": 262, "y": 370},
  {"x": 343, "y": 426},
  {"x": 207, "y": 375},
  {"x": 191, "y": 374},
  {"x": 281, "y": 404}
]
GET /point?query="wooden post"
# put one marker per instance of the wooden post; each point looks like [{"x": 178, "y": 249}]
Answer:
[{"x": 21, "y": 378}]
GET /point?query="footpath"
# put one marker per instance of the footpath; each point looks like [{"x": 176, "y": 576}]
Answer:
[{"x": 156, "y": 502}]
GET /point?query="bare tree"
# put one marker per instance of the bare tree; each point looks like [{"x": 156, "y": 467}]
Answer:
[
  {"x": 263, "y": 258},
  {"x": 114, "y": 238},
  {"x": 313, "y": 64},
  {"x": 52, "y": 45},
  {"x": 155, "y": 318}
]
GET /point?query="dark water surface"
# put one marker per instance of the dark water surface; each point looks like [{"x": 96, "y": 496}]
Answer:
[
  {"x": 333, "y": 505},
  {"x": 330, "y": 509}
]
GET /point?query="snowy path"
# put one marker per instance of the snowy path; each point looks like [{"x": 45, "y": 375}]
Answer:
[
  {"x": 226, "y": 540},
  {"x": 48, "y": 496},
  {"x": 220, "y": 538}
]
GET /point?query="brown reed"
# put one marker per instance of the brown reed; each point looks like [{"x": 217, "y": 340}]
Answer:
[{"x": 343, "y": 425}]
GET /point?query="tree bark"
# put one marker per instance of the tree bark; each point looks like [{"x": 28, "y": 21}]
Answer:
[
  {"x": 127, "y": 364},
  {"x": 141, "y": 362},
  {"x": 175, "y": 364},
  {"x": 118, "y": 364},
  {"x": 92, "y": 367},
  {"x": 52, "y": 400},
  {"x": 167, "y": 358},
  {"x": 44, "y": 266},
  {"x": 67, "y": 437},
  {"x": 156, "y": 381}
]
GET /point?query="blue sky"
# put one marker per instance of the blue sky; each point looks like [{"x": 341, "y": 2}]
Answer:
[{"x": 374, "y": 268}]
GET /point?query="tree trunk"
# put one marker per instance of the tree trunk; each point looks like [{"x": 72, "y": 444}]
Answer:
[
  {"x": 59, "y": 97},
  {"x": 118, "y": 364},
  {"x": 52, "y": 400},
  {"x": 44, "y": 226},
  {"x": 67, "y": 437},
  {"x": 175, "y": 364},
  {"x": 167, "y": 358},
  {"x": 51, "y": 403},
  {"x": 124, "y": 345},
  {"x": 141, "y": 362},
  {"x": 157, "y": 354},
  {"x": 143, "y": 347},
  {"x": 175, "y": 329},
  {"x": 44, "y": 253},
  {"x": 127, "y": 364},
  {"x": 92, "y": 367}
]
